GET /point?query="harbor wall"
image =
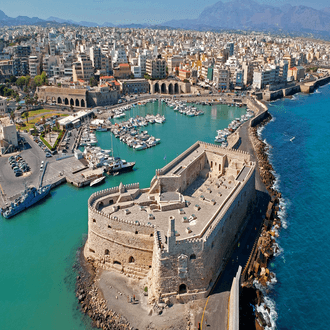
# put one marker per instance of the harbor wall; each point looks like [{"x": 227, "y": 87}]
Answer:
[{"x": 308, "y": 87}]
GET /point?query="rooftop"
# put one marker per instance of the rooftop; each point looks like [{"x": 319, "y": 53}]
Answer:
[{"x": 211, "y": 189}]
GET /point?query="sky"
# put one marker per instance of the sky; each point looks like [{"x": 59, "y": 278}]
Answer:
[{"x": 124, "y": 11}]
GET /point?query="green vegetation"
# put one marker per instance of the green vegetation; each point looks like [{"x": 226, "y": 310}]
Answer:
[
  {"x": 6, "y": 91},
  {"x": 93, "y": 81},
  {"x": 41, "y": 79},
  {"x": 146, "y": 76},
  {"x": 40, "y": 118},
  {"x": 52, "y": 148},
  {"x": 312, "y": 69},
  {"x": 26, "y": 116},
  {"x": 23, "y": 81}
]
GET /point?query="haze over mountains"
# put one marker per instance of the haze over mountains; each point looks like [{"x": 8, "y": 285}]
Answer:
[{"x": 236, "y": 14}]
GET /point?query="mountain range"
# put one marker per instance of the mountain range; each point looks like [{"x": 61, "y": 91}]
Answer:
[
  {"x": 233, "y": 15},
  {"x": 251, "y": 15}
]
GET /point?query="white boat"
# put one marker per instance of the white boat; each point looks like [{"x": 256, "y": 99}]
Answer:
[
  {"x": 97, "y": 181},
  {"x": 101, "y": 129}
]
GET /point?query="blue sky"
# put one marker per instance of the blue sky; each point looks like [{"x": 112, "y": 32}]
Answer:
[{"x": 123, "y": 11}]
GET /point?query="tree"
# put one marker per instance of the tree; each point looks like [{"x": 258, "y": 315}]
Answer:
[
  {"x": 26, "y": 116},
  {"x": 71, "y": 107},
  {"x": 93, "y": 82},
  {"x": 43, "y": 120},
  {"x": 17, "y": 98},
  {"x": 146, "y": 76},
  {"x": 12, "y": 116},
  {"x": 12, "y": 79}
]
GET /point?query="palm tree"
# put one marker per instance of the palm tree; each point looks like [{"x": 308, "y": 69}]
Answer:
[
  {"x": 12, "y": 116},
  {"x": 26, "y": 115}
]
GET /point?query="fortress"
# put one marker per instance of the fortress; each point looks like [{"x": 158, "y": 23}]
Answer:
[{"x": 178, "y": 233}]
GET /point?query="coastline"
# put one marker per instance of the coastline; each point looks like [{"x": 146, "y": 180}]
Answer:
[
  {"x": 91, "y": 300},
  {"x": 89, "y": 292}
]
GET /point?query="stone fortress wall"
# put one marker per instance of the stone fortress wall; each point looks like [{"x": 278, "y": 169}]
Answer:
[
  {"x": 173, "y": 265},
  {"x": 117, "y": 243},
  {"x": 193, "y": 265}
]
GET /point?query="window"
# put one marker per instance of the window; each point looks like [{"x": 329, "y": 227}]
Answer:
[
  {"x": 106, "y": 252},
  {"x": 193, "y": 256},
  {"x": 131, "y": 260},
  {"x": 94, "y": 220}
]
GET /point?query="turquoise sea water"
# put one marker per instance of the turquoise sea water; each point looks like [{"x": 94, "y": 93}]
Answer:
[
  {"x": 301, "y": 295},
  {"x": 39, "y": 247}
]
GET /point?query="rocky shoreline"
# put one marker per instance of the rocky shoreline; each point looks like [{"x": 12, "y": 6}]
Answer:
[
  {"x": 92, "y": 302},
  {"x": 257, "y": 270}
]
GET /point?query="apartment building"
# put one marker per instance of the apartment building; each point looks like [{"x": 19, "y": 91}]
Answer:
[
  {"x": 82, "y": 69},
  {"x": 34, "y": 66},
  {"x": 156, "y": 68}
]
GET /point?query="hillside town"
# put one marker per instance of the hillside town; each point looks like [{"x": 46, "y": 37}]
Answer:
[{"x": 110, "y": 62}]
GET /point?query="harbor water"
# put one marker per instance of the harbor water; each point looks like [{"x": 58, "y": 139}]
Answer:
[
  {"x": 39, "y": 247},
  {"x": 299, "y": 135}
]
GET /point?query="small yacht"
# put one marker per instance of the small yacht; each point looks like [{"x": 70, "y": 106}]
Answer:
[{"x": 97, "y": 181}]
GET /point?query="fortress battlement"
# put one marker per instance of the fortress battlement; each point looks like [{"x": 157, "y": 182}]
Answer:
[{"x": 180, "y": 228}]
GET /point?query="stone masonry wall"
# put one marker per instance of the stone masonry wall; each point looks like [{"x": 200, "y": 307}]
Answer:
[{"x": 195, "y": 263}]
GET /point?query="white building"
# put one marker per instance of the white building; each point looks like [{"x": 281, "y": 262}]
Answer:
[
  {"x": 136, "y": 70},
  {"x": 8, "y": 134},
  {"x": 34, "y": 66},
  {"x": 3, "y": 105}
]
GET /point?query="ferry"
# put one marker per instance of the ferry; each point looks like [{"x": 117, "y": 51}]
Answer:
[{"x": 28, "y": 197}]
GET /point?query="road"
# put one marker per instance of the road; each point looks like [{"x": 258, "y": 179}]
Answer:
[{"x": 214, "y": 314}]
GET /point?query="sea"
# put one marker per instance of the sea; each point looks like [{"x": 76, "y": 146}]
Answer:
[
  {"x": 298, "y": 138},
  {"x": 40, "y": 247}
]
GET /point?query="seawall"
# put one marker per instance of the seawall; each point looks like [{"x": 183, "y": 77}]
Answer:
[{"x": 308, "y": 87}]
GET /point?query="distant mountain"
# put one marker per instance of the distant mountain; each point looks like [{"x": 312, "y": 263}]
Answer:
[
  {"x": 251, "y": 15},
  {"x": 233, "y": 15}
]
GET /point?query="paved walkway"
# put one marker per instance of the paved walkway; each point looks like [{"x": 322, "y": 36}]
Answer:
[{"x": 214, "y": 314}]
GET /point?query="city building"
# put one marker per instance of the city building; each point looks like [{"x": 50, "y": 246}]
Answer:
[
  {"x": 8, "y": 135},
  {"x": 134, "y": 86},
  {"x": 82, "y": 69},
  {"x": 3, "y": 105},
  {"x": 156, "y": 68}
]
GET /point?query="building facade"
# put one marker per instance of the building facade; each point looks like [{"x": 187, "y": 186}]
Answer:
[{"x": 156, "y": 68}]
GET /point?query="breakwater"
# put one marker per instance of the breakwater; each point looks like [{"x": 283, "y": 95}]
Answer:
[
  {"x": 308, "y": 87},
  {"x": 256, "y": 269}
]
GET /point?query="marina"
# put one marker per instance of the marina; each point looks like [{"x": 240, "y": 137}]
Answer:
[{"x": 54, "y": 282}]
